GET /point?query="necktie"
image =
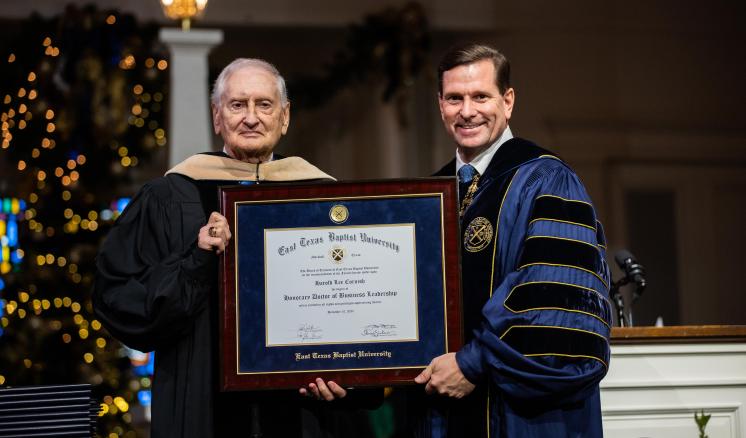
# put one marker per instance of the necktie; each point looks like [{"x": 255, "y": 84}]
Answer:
[
  {"x": 466, "y": 173},
  {"x": 465, "y": 176},
  {"x": 468, "y": 178}
]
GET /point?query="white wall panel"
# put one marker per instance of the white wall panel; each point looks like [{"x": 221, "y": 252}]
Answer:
[{"x": 654, "y": 390}]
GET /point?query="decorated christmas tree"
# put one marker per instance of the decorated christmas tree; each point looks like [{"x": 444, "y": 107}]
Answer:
[
  {"x": 82, "y": 100},
  {"x": 82, "y": 104}
]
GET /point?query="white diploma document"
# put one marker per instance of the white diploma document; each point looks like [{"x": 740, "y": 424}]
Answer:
[{"x": 332, "y": 285}]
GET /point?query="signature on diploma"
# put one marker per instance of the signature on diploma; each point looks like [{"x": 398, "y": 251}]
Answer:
[
  {"x": 377, "y": 330},
  {"x": 308, "y": 331}
]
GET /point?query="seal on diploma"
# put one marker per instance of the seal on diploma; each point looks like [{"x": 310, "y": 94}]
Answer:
[
  {"x": 339, "y": 214},
  {"x": 337, "y": 254}
]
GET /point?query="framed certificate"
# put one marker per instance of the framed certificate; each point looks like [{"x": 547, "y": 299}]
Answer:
[{"x": 355, "y": 282}]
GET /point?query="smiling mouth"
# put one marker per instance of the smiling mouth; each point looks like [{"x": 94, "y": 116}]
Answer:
[{"x": 468, "y": 126}]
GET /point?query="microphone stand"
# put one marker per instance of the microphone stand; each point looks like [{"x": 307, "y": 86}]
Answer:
[
  {"x": 633, "y": 273},
  {"x": 618, "y": 300}
]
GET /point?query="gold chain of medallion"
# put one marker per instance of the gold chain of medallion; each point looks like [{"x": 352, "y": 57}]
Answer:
[{"x": 469, "y": 195}]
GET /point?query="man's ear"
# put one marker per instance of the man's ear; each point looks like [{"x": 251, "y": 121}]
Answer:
[
  {"x": 285, "y": 118},
  {"x": 215, "y": 118},
  {"x": 509, "y": 99}
]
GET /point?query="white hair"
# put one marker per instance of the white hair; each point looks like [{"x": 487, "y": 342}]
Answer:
[{"x": 239, "y": 63}]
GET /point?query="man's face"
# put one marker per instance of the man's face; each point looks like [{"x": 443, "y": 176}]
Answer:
[
  {"x": 472, "y": 108},
  {"x": 250, "y": 116}
]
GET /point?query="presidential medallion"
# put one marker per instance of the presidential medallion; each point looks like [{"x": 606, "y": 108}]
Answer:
[
  {"x": 339, "y": 214},
  {"x": 478, "y": 234}
]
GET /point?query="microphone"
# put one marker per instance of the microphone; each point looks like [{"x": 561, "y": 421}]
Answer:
[{"x": 633, "y": 270}]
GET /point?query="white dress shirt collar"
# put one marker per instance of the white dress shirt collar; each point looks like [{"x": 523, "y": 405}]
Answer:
[
  {"x": 483, "y": 160},
  {"x": 225, "y": 151}
]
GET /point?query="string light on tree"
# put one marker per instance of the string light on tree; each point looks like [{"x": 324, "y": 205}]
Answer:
[{"x": 65, "y": 113}]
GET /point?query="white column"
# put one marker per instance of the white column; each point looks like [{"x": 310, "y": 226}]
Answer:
[
  {"x": 189, "y": 107},
  {"x": 393, "y": 145}
]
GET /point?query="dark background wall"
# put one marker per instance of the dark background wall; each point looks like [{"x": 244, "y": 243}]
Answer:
[{"x": 644, "y": 99}]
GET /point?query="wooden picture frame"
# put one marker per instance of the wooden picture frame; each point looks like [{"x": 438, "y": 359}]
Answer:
[{"x": 356, "y": 282}]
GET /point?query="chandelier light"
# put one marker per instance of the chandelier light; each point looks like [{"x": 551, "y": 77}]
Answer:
[{"x": 184, "y": 10}]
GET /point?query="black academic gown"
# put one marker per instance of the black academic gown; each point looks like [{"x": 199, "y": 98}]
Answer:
[{"x": 155, "y": 290}]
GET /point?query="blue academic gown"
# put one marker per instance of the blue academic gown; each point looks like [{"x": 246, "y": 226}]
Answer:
[{"x": 535, "y": 296}]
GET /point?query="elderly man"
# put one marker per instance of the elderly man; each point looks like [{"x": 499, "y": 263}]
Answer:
[
  {"x": 535, "y": 282},
  {"x": 156, "y": 287}
]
